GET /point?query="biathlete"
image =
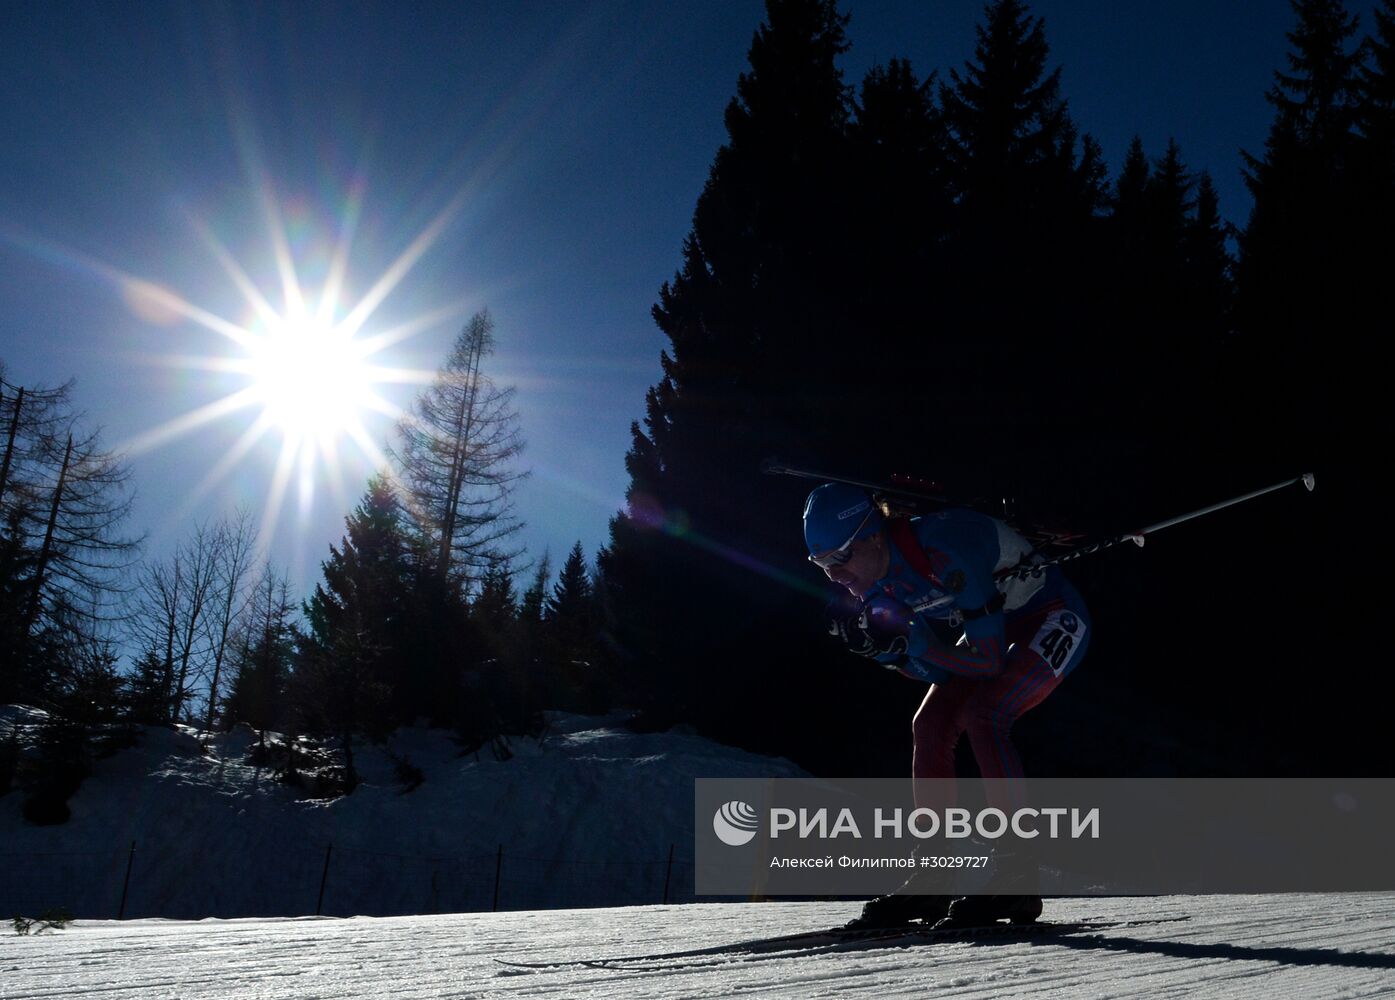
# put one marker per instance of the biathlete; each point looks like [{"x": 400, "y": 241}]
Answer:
[{"x": 1019, "y": 636}]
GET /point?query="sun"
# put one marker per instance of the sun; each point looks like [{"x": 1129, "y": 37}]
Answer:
[
  {"x": 309, "y": 374},
  {"x": 312, "y": 381}
]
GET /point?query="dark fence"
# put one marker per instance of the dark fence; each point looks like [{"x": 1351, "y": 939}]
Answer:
[{"x": 330, "y": 880}]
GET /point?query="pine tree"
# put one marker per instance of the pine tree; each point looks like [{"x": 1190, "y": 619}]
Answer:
[
  {"x": 1023, "y": 259},
  {"x": 1297, "y": 276},
  {"x": 505, "y": 650},
  {"x": 1151, "y": 211},
  {"x": 1375, "y": 113},
  {"x": 146, "y": 691},
  {"x": 534, "y": 603},
  {"x": 495, "y": 610},
  {"x": 1295, "y": 224},
  {"x": 1014, "y": 147},
  {"x": 764, "y": 298},
  {"x": 396, "y": 617},
  {"x": 336, "y": 690},
  {"x": 901, "y": 194},
  {"x": 754, "y": 292},
  {"x": 1169, "y": 193},
  {"x": 1129, "y": 209},
  {"x": 570, "y": 610},
  {"x": 571, "y": 626},
  {"x": 1306, "y": 373},
  {"x": 530, "y": 642},
  {"x": 1373, "y": 173},
  {"x": 1209, "y": 266},
  {"x": 357, "y": 621},
  {"x": 1316, "y": 99},
  {"x": 456, "y": 454}
]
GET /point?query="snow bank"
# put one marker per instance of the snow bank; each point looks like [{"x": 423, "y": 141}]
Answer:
[{"x": 586, "y": 816}]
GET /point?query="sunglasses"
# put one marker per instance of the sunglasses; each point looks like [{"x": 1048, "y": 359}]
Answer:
[{"x": 840, "y": 555}]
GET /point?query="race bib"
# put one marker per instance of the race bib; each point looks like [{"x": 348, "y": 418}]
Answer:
[{"x": 1059, "y": 637}]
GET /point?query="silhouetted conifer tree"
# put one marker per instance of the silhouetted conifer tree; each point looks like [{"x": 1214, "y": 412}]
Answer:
[
  {"x": 1301, "y": 372},
  {"x": 1298, "y": 263},
  {"x": 571, "y": 625},
  {"x": 1019, "y": 360},
  {"x": 335, "y": 688},
  {"x": 570, "y": 611},
  {"x": 1014, "y": 152},
  {"x": 902, "y": 201},
  {"x": 1128, "y": 207},
  {"x": 1376, "y": 82},
  {"x": 456, "y": 455},
  {"x": 350, "y": 658},
  {"x": 1374, "y": 157},
  {"x": 529, "y": 639},
  {"x": 503, "y": 664},
  {"x": 531, "y": 608},
  {"x": 495, "y": 610},
  {"x": 147, "y": 687},
  {"x": 1209, "y": 269},
  {"x": 759, "y": 319}
]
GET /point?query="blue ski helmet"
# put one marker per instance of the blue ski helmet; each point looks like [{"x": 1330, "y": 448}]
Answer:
[{"x": 837, "y": 512}]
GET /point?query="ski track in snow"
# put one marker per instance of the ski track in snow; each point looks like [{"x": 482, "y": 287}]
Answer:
[{"x": 1337, "y": 946}]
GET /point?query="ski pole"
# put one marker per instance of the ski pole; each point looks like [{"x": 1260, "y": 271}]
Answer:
[{"x": 1137, "y": 537}]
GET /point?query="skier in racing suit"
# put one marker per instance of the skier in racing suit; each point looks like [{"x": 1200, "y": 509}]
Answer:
[{"x": 1021, "y": 635}]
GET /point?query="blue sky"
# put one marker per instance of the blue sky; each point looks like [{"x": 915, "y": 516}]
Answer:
[{"x": 556, "y": 148}]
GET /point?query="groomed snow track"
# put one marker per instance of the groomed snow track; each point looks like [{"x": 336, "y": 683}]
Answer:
[{"x": 1230, "y": 946}]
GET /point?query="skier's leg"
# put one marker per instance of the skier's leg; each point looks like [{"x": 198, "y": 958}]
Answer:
[
  {"x": 1025, "y": 682},
  {"x": 935, "y": 730},
  {"x": 1047, "y": 639}
]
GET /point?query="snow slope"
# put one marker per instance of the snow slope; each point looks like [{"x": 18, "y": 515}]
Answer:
[
  {"x": 587, "y": 816},
  {"x": 1230, "y": 946}
]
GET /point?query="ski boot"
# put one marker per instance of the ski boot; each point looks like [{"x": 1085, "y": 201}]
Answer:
[
  {"x": 1012, "y": 894},
  {"x": 916, "y": 899},
  {"x": 976, "y": 911}
]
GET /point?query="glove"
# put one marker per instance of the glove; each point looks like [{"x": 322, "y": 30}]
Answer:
[{"x": 872, "y": 630}]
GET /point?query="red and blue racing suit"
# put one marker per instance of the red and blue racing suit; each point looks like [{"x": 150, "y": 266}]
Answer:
[{"x": 1021, "y": 637}]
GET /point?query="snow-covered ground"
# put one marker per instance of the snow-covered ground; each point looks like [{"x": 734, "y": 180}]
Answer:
[
  {"x": 1230, "y": 946},
  {"x": 585, "y": 816}
]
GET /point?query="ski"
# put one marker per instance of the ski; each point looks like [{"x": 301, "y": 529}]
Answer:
[
  {"x": 783, "y": 941},
  {"x": 886, "y": 937},
  {"x": 833, "y": 938}
]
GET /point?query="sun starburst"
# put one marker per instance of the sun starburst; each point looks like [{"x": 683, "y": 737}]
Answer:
[{"x": 310, "y": 370}]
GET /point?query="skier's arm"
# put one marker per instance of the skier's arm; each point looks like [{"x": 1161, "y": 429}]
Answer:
[
  {"x": 982, "y": 650},
  {"x": 980, "y": 656}
]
